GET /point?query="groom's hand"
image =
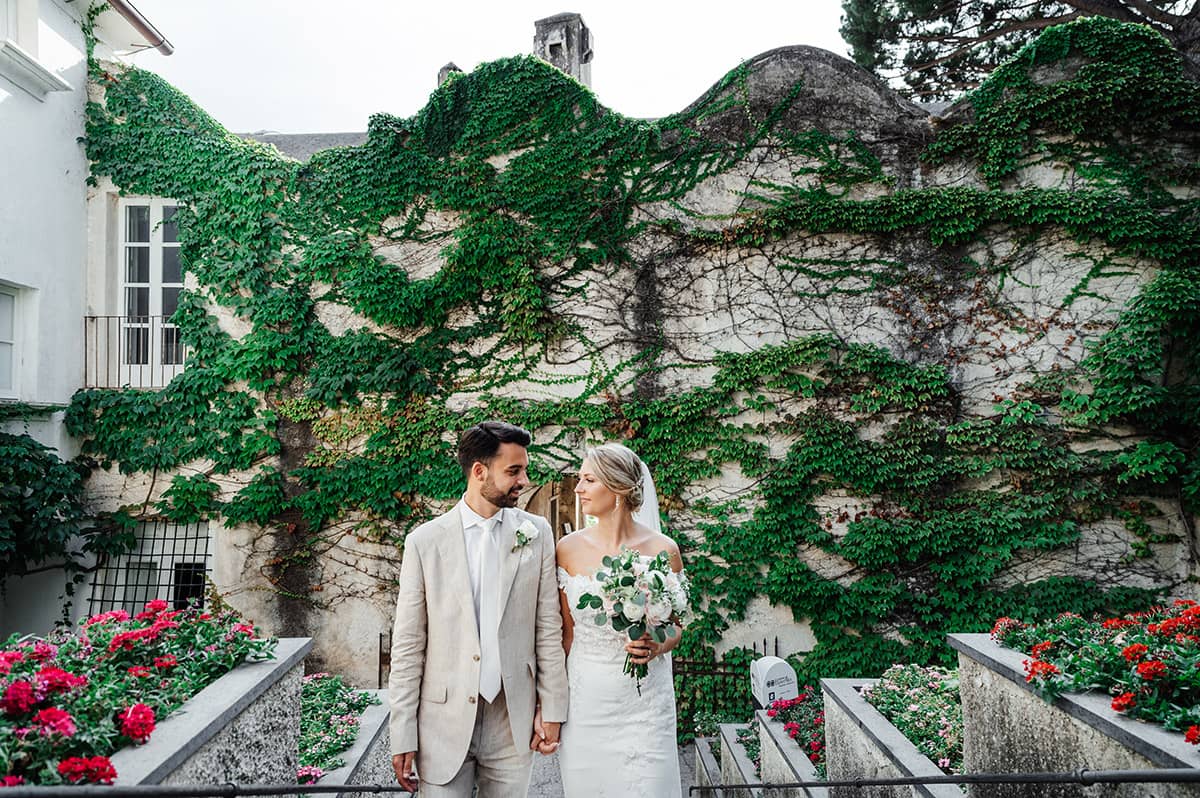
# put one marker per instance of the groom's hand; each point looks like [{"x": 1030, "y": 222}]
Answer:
[
  {"x": 543, "y": 742},
  {"x": 403, "y": 765}
]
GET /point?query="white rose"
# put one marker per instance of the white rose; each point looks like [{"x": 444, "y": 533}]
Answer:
[
  {"x": 529, "y": 530},
  {"x": 658, "y": 612},
  {"x": 633, "y": 612}
]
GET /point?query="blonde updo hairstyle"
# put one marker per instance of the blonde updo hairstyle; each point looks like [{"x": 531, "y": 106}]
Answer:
[{"x": 619, "y": 470}]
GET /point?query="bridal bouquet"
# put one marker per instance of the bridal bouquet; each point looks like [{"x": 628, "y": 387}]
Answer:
[{"x": 639, "y": 595}]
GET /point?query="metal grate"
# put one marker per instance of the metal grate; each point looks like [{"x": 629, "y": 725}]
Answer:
[{"x": 169, "y": 562}]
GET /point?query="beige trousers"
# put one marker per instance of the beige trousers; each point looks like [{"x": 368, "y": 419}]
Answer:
[{"x": 498, "y": 767}]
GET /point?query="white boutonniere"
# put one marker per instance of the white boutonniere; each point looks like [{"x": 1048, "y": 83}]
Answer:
[{"x": 525, "y": 533}]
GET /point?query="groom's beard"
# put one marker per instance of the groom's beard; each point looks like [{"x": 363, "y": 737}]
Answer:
[{"x": 498, "y": 497}]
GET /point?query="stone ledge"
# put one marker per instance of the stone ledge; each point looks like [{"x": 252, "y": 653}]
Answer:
[
  {"x": 708, "y": 769},
  {"x": 186, "y": 730},
  {"x": 887, "y": 739},
  {"x": 368, "y": 761},
  {"x": 736, "y": 767},
  {"x": 1163, "y": 748}
]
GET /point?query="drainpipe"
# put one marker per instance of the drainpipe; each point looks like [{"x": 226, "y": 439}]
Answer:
[{"x": 142, "y": 25}]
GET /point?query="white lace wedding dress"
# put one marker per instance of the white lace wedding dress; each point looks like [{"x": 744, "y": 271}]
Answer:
[{"x": 615, "y": 743}]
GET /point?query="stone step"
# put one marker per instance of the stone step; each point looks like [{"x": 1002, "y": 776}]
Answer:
[{"x": 736, "y": 767}]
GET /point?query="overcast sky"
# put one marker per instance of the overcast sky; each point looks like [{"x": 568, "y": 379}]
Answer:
[{"x": 302, "y": 66}]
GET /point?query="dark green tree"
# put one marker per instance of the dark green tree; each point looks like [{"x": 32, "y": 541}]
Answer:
[{"x": 937, "y": 49}]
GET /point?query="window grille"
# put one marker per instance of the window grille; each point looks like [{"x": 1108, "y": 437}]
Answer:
[{"x": 169, "y": 562}]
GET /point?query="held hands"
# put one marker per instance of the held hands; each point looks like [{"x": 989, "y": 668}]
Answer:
[
  {"x": 545, "y": 734},
  {"x": 405, "y": 774}
]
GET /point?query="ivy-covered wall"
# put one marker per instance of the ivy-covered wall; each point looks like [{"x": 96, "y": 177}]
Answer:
[{"x": 895, "y": 375}]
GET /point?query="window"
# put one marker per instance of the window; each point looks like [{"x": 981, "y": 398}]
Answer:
[
  {"x": 19, "y": 50},
  {"x": 151, "y": 281},
  {"x": 169, "y": 562},
  {"x": 8, "y": 342}
]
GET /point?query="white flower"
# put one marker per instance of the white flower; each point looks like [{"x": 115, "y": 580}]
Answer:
[
  {"x": 658, "y": 612},
  {"x": 526, "y": 532},
  {"x": 632, "y": 611}
]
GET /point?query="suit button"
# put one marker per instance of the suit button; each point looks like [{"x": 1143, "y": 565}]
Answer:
[
  {"x": 471, "y": 699},
  {"x": 476, "y": 658}
]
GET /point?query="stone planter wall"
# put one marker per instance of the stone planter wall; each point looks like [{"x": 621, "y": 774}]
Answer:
[
  {"x": 783, "y": 761},
  {"x": 862, "y": 743},
  {"x": 369, "y": 760},
  {"x": 708, "y": 769},
  {"x": 1009, "y": 728},
  {"x": 242, "y": 728},
  {"x": 736, "y": 768}
]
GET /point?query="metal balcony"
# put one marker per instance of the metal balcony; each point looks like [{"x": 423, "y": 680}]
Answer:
[{"x": 131, "y": 352}]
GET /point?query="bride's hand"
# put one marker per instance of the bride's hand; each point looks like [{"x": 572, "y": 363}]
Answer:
[{"x": 644, "y": 649}]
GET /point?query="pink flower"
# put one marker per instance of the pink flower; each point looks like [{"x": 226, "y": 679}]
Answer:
[
  {"x": 139, "y": 671},
  {"x": 43, "y": 651},
  {"x": 11, "y": 781},
  {"x": 105, "y": 617},
  {"x": 8, "y": 659},
  {"x": 244, "y": 628},
  {"x": 53, "y": 720},
  {"x": 166, "y": 661},
  {"x": 56, "y": 680}
]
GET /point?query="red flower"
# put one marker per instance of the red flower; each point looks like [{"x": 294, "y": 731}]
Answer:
[
  {"x": 1134, "y": 652},
  {"x": 18, "y": 698},
  {"x": 11, "y": 781},
  {"x": 139, "y": 671},
  {"x": 137, "y": 723},
  {"x": 56, "y": 680},
  {"x": 166, "y": 661},
  {"x": 53, "y": 720},
  {"x": 1041, "y": 648},
  {"x": 244, "y": 628},
  {"x": 152, "y": 608},
  {"x": 105, "y": 617},
  {"x": 1036, "y": 669},
  {"x": 1005, "y": 625},
  {"x": 1152, "y": 669},
  {"x": 43, "y": 651},
  {"x": 96, "y": 769},
  {"x": 1123, "y": 702},
  {"x": 1192, "y": 735},
  {"x": 128, "y": 640},
  {"x": 1118, "y": 623}
]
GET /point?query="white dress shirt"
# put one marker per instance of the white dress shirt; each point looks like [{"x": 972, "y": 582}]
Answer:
[{"x": 473, "y": 526}]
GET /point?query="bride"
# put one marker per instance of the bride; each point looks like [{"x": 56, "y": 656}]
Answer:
[{"x": 615, "y": 742}]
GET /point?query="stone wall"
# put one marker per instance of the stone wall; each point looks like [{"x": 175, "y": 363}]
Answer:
[{"x": 998, "y": 312}]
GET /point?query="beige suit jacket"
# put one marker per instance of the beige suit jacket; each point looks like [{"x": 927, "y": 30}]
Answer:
[{"x": 433, "y": 688}]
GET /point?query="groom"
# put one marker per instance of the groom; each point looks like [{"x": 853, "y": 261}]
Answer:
[{"x": 477, "y": 642}]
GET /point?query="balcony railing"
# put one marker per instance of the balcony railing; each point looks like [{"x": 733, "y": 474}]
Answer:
[{"x": 131, "y": 351}]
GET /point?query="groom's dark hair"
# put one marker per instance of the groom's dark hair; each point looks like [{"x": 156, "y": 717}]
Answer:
[{"x": 482, "y": 442}]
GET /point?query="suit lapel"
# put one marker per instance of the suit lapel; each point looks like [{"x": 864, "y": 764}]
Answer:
[
  {"x": 454, "y": 550},
  {"x": 509, "y": 559}
]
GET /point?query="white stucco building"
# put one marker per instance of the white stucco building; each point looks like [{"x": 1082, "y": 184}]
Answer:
[{"x": 44, "y": 236}]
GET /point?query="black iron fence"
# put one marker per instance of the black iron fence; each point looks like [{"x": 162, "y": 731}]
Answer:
[{"x": 1078, "y": 777}]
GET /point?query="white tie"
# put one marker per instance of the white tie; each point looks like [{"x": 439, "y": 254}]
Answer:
[{"x": 489, "y": 612}]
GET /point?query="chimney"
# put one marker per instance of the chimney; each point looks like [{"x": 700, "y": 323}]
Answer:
[
  {"x": 565, "y": 42},
  {"x": 445, "y": 72}
]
